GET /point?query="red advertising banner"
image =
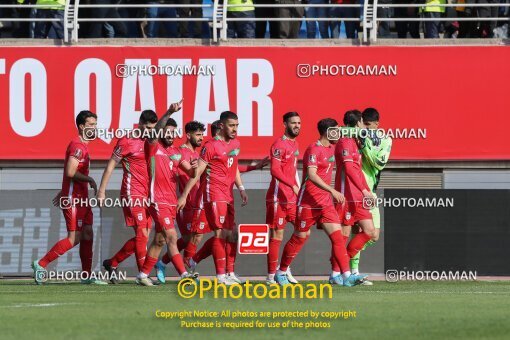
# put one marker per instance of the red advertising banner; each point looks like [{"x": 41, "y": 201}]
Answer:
[{"x": 439, "y": 103}]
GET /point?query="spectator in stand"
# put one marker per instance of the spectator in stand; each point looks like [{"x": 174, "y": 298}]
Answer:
[
  {"x": 289, "y": 29},
  {"x": 241, "y": 29},
  {"x": 98, "y": 29},
  {"x": 153, "y": 27},
  {"x": 431, "y": 10},
  {"x": 261, "y": 26},
  {"x": 351, "y": 27},
  {"x": 190, "y": 12},
  {"x": 54, "y": 10},
  {"x": 473, "y": 29},
  {"x": 317, "y": 12},
  {"x": 413, "y": 27}
]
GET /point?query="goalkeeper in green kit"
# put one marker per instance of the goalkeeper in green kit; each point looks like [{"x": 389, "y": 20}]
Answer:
[{"x": 376, "y": 153}]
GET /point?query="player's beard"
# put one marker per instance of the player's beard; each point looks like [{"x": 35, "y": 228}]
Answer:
[
  {"x": 194, "y": 143},
  {"x": 291, "y": 133}
]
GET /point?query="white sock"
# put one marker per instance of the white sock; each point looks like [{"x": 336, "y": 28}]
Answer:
[
  {"x": 220, "y": 276},
  {"x": 355, "y": 271},
  {"x": 142, "y": 275},
  {"x": 346, "y": 275},
  {"x": 270, "y": 276},
  {"x": 184, "y": 274},
  {"x": 333, "y": 273},
  {"x": 279, "y": 272}
]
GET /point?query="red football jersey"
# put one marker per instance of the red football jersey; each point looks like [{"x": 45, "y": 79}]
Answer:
[
  {"x": 187, "y": 155},
  {"x": 163, "y": 163},
  {"x": 135, "y": 178},
  {"x": 285, "y": 152},
  {"x": 322, "y": 158},
  {"x": 70, "y": 187},
  {"x": 347, "y": 151},
  {"x": 222, "y": 158}
]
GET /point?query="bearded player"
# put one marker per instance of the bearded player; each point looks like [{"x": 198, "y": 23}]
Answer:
[
  {"x": 129, "y": 151},
  {"x": 316, "y": 205},
  {"x": 79, "y": 218},
  {"x": 219, "y": 159},
  {"x": 281, "y": 196}
]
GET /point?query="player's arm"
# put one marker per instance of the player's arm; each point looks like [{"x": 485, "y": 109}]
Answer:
[
  {"x": 105, "y": 179},
  {"x": 377, "y": 157},
  {"x": 162, "y": 121},
  {"x": 71, "y": 171},
  {"x": 359, "y": 181},
  {"x": 189, "y": 167},
  {"x": 202, "y": 165},
  {"x": 240, "y": 186},
  {"x": 277, "y": 172},
  {"x": 311, "y": 172},
  {"x": 260, "y": 165}
]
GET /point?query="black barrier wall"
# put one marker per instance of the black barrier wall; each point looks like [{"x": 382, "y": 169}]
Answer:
[{"x": 471, "y": 235}]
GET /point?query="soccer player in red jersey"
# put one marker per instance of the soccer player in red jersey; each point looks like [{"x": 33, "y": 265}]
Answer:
[
  {"x": 352, "y": 183},
  {"x": 315, "y": 205},
  {"x": 163, "y": 163},
  {"x": 282, "y": 194},
  {"x": 78, "y": 217},
  {"x": 194, "y": 136},
  {"x": 129, "y": 151},
  {"x": 218, "y": 159}
]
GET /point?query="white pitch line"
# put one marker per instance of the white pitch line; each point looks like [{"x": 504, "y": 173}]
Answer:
[{"x": 30, "y": 305}]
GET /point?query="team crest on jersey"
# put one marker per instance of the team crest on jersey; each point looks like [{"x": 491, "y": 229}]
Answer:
[
  {"x": 140, "y": 217},
  {"x": 345, "y": 152},
  {"x": 222, "y": 219},
  {"x": 276, "y": 153},
  {"x": 303, "y": 224},
  {"x": 188, "y": 226},
  {"x": 312, "y": 159},
  {"x": 331, "y": 159},
  {"x": 79, "y": 223},
  {"x": 296, "y": 153},
  {"x": 176, "y": 156},
  {"x": 203, "y": 151},
  {"x": 202, "y": 225},
  {"x": 280, "y": 221},
  {"x": 234, "y": 152},
  {"x": 78, "y": 153},
  {"x": 347, "y": 216}
]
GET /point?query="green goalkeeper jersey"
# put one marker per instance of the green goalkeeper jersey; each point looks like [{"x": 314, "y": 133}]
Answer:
[{"x": 374, "y": 160}]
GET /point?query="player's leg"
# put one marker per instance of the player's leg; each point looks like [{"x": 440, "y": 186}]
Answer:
[
  {"x": 336, "y": 271},
  {"x": 359, "y": 240},
  {"x": 276, "y": 224},
  {"x": 376, "y": 218},
  {"x": 184, "y": 224},
  {"x": 231, "y": 244},
  {"x": 215, "y": 213},
  {"x": 86, "y": 248},
  {"x": 174, "y": 253}
]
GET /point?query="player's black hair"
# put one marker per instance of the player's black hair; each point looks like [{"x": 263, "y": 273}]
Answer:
[
  {"x": 215, "y": 126},
  {"x": 194, "y": 126},
  {"x": 81, "y": 118},
  {"x": 148, "y": 116},
  {"x": 171, "y": 122},
  {"x": 352, "y": 117},
  {"x": 289, "y": 115},
  {"x": 324, "y": 124},
  {"x": 370, "y": 115},
  {"x": 227, "y": 115}
]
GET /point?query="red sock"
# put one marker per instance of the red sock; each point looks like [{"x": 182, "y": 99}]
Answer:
[
  {"x": 149, "y": 263},
  {"x": 178, "y": 263},
  {"x": 140, "y": 248},
  {"x": 59, "y": 249},
  {"x": 218, "y": 253},
  {"x": 290, "y": 251},
  {"x": 86, "y": 255},
  {"x": 181, "y": 244},
  {"x": 166, "y": 259},
  {"x": 357, "y": 243},
  {"x": 335, "y": 266},
  {"x": 231, "y": 252},
  {"x": 190, "y": 250},
  {"x": 205, "y": 251},
  {"x": 339, "y": 252},
  {"x": 272, "y": 256},
  {"x": 126, "y": 251}
]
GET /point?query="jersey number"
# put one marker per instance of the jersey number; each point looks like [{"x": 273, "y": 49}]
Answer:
[
  {"x": 171, "y": 166},
  {"x": 329, "y": 166},
  {"x": 230, "y": 161}
]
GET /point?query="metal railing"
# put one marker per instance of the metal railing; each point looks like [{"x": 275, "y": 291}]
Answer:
[{"x": 220, "y": 18}]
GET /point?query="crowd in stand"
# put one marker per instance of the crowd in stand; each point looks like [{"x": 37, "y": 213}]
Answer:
[{"x": 243, "y": 9}]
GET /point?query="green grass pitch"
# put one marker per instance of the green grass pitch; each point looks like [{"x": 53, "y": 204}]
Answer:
[{"x": 403, "y": 310}]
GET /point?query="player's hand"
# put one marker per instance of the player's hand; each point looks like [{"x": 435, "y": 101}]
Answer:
[
  {"x": 244, "y": 197},
  {"x": 56, "y": 199},
  {"x": 263, "y": 163},
  {"x": 174, "y": 107},
  {"x": 194, "y": 163},
  {"x": 93, "y": 185},
  {"x": 295, "y": 188},
  {"x": 368, "y": 195},
  {"x": 181, "y": 202},
  {"x": 101, "y": 195},
  {"x": 338, "y": 196}
]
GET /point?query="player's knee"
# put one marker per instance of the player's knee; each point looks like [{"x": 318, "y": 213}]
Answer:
[
  {"x": 159, "y": 240},
  {"x": 197, "y": 238},
  {"x": 277, "y": 234}
]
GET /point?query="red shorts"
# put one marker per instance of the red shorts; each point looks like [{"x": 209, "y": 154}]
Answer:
[
  {"x": 352, "y": 212},
  {"x": 220, "y": 215},
  {"x": 184, "y": 221},
  {"x": 200, "y": 224},
  {"x": 307, "y": 217},
  {"x": 163, "y": 215},
  {"x": 77, "y": 217},
  {"x": 137, "y": 217},
  {"x": 278, "y": 214}
]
